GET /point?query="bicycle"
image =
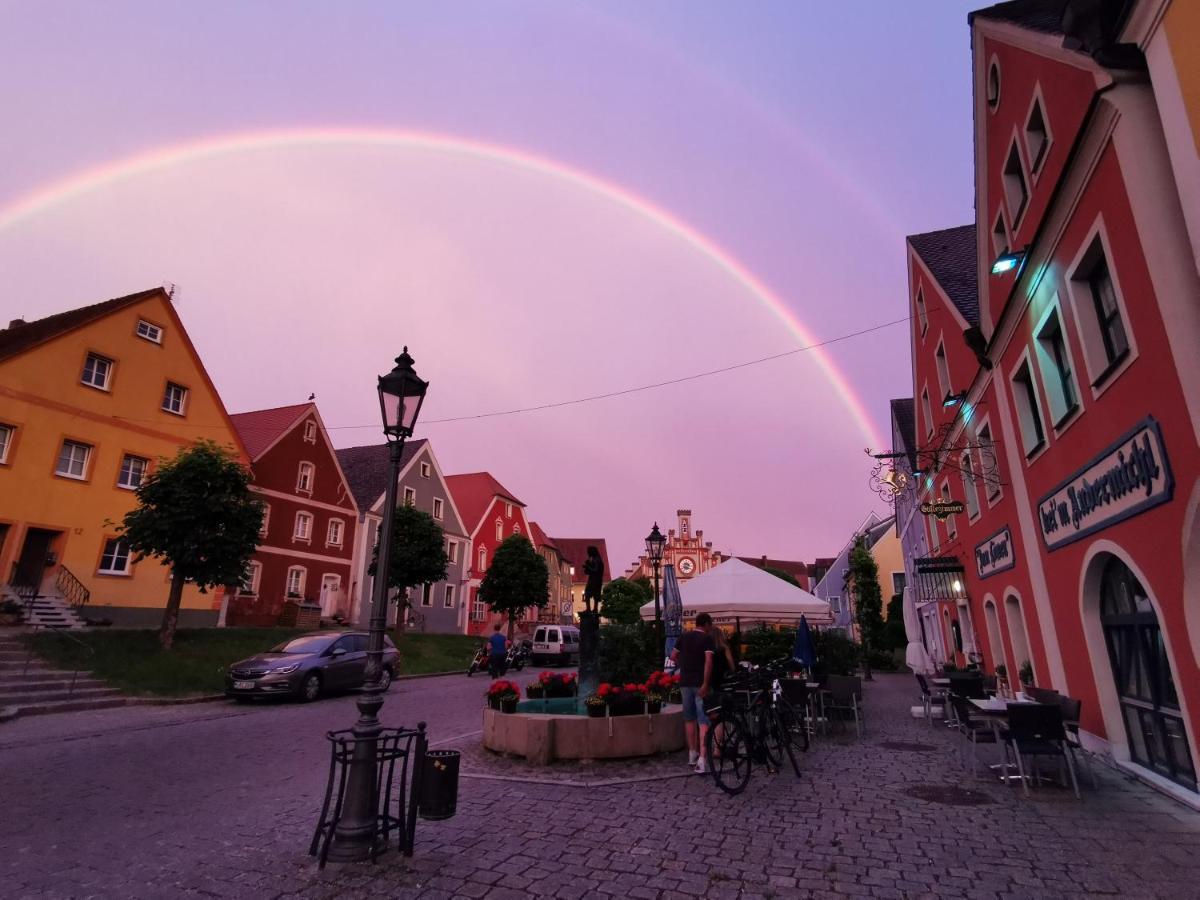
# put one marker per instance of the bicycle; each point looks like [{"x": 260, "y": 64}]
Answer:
[{"x": 755, "y": 724}]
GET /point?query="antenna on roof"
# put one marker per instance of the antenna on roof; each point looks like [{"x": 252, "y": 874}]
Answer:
[{"x": 170, "y": 287}]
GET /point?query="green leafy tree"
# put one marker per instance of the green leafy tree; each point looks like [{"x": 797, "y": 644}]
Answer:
[
  {"x": 646, "y": 583},
  {"x": 765, "y": 644},
  {"x": 779, "y": 573},
  {"x": 516, "y": 579},
  {"x": 622, "y": 600},
  {"x": 894, "y": 634},
  {"x": 863, "y": 579},
  {"x": 418, "y": 556},
  {"x": 196, "y": 514}
]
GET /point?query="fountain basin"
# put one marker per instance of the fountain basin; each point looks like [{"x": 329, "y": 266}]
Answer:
[{"x": 543, "y": 738}]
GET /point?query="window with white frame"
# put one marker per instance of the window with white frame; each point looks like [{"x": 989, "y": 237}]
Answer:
[
  {"x": 993, "y": 85},
  {"x": 149, "y": 331},
  {"x": 438, "y": 508},
  {"x": 425, "y": 470},
  {"x": 1000, "y": 242},
  {"x": 988, "y": 461},
  {"x": 499, "y": 530},
  {"x": 427, "y": 595},
  {"x": 516, "y": 527},
  {"x": 410, "y": 497},
  {"x": 250, "y": 579},
  {"x": 478, "y": 611},
  {"x": 943, "y": 370},
  {"x": 305, "y": 477},
  {"x": 922, "y": 313},
  {"x": 262, "y": 531},
  {"x": 951, "y": 524},
  {"x": 1100, "y": 313},
  {"x": 6, "y": 441},
  {"x": 175, "y": 398},
  {"x": 310, "y": 432},
  {"x": 1037, "y": 135},
  {"x": 970, "y": 495},
  {"x": 835, "y": 604},
  {"x": 448, "y": 599},
  {"x": 97, "y": 371},
  {"x": 482, "y": 559},
  {"x": 295, "y": 581},
  {"x": 1054, "y": 361},
  {"x": 114, "y": 560},
  {"x": 133, "y": 471},
  {"x": 899, "y": 579},
  {"x": 333, "y": 536},
  {"x": 73, "y": 460},
  {"x": 926, "y": 411},
  {"x": 508, "y": 510},
  {"x": 303, "y": 529},
  {"x": 1016, "y": 191},
  {"x": 452, "y": 550},
  {"x": 1029, "y": 413}
]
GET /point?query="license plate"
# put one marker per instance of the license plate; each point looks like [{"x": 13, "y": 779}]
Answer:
[
  {"x": 243, "y": 685},
  {"x": 541, "y": 646}
]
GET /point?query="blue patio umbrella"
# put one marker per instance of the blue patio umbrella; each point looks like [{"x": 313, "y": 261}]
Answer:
[
  {"x": 672, "y": 608},
  {"x": 803, "y": 653}
]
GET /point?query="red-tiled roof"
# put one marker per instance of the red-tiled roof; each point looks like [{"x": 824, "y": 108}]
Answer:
[
  {"x": 260, "y": 428},
  {"x": 574, "y": 551},
  {"x": 795, "y": 568},
  {"x": 366, "y": 469},
  {"x": 539, "y": 537},
  {"x": 473, "y": 494},
  {"x": 29, "y": 334}
]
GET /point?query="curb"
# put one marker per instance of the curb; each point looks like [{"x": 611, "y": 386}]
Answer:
[
  {"x": 173, "y": 701},
  {"x": 428, "y": 675},
  {"x": 8, "y": 712}
]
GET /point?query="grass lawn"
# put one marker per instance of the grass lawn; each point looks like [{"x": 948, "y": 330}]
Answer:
[{"x": 134, "y": 662}]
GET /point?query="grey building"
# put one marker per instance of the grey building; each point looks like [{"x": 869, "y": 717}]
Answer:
[
  {"x": 439, "y": 607},
  {"x": 832, "y": 587}
]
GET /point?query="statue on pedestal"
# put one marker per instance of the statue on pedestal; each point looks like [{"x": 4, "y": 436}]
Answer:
[{"x": 589, "y": 624}]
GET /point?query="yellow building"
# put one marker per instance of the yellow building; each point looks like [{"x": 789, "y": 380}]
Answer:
[{"x": 89, "y": 400}]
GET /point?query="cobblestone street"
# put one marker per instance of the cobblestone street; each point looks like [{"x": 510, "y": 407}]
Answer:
[{"x": 220, "y": 801}]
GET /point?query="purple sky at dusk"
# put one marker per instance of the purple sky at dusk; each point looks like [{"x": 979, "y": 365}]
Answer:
[{"x": 806, "y": 140}]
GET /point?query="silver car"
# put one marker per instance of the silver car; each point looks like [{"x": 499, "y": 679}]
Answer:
[{"x": 306, "y": 666}]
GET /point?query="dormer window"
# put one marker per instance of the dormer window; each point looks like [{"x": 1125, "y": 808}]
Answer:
[
  {"x": 1037, "y": 135},
  {"x": 1016, "y": 192},
  {"x": 305, "y": 478},
  {"x": 310, "y": 432},
  {"x": 149, "y": 331}
]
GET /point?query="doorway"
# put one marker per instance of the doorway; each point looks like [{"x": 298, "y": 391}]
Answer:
[
  {"x": 30, "y": 570},
  {"x": 1144, "y": 681},
  {"x": 331, "y": 591}
]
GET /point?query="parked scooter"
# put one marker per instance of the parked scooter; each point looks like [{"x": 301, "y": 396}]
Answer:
[{"x": 480, "y": 662}]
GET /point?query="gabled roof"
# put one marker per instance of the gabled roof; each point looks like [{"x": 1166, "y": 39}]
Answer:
[
  {"x": 28, "y": 335},
  {"x": 474, "y": 493},
  {"x": 1037, "y": 15},
  {"x": 366, "y": 469},
  {"x": 952, "y": 258},
  {"x": 261, "y": 428},
  {"x": 795, "y": 568},
  {"x": 574, "y": 551},
  {"x": 539, "y": 537},
  {"x": 904, "y": 412},
  {"x": 876, "y": 532}
]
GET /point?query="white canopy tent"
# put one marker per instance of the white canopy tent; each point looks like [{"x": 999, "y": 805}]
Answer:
[{"x": 735, "y": 590}]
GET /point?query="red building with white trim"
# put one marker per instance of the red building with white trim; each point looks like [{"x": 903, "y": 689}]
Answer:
[
  {"x": 1058, "y": 399},
  {"x": 309, "y": 522}
]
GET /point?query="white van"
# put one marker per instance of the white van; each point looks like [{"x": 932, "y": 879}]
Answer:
[{"x": 557, "y": 644}]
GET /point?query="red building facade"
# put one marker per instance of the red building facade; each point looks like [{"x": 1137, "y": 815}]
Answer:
[
  {"x": 309, "y": 523},
  {"x": 1058, "y": 400}
]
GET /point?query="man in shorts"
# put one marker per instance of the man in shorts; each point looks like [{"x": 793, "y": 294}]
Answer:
[{"x": 693, "y": 654}]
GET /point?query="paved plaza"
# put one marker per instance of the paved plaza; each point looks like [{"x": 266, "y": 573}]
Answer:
[{"x": 219, "y": 800}]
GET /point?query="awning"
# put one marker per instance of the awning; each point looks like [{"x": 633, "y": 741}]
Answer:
[{"x": 939, "y": 578}]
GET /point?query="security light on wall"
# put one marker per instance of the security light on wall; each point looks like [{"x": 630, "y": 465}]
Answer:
[
  {"x": 1006, "y": 262},
  {"x": 954, "y": 399}
]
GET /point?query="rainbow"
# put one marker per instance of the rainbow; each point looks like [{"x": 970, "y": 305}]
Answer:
[{"x": 116, "y": 171}]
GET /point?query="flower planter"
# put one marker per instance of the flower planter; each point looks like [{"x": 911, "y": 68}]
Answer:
[
  {"x": 653, "y": 706},
  {"x": 535, "y": 692},
  {"x": 627, "y": 708},
  {"x": 508, "y": 705},
  {"x": 493, "y": 704},
  {"x": 597, "y": 712},
  {"x": 559, "y": 692}
]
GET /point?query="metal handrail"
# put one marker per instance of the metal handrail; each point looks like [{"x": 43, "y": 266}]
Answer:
[
  {"x": 72, "y": 588},
  {"x": 74, "y": 672}
]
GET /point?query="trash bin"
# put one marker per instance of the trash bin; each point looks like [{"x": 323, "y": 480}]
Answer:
[{"x": 438, "y": 792}]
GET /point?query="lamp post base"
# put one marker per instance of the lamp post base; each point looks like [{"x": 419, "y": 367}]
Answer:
[{"x": 356, "y": 837}]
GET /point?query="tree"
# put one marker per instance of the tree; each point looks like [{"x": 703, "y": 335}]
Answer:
[
  {"x": 516, "y": 579},
  {"x": 622, "y": 600},
  {"x": 418, "y": 556},
  {"x": 646, "y": 583},
  {"x": 893, "y": 629},
  {"x": 863, "y": 579},
  {"x": 196, "y": 514},
  {"x": 779, "y": 573}
]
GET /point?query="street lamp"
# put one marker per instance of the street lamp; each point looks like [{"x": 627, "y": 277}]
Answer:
[
  {"x": 655, "y": 543},
  {"x": 401, "y": 394}
]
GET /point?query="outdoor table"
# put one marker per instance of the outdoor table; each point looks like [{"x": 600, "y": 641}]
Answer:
[
  {"x": 995, "y": 710},
  {"x": 942, "y": 682}
]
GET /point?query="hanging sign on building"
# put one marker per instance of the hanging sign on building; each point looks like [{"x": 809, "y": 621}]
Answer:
[
  {"x": 943, "y": 509},
  {"x": 995, "y": 554},
  {"x": 1128, "y": 478}
]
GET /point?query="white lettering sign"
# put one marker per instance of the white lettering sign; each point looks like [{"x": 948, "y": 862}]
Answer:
[
  {"x": 1128, "y": 478},
  {"x": 995, "y": 554}
]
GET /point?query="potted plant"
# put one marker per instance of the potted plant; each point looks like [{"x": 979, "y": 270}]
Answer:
[
  {"x": 1025, "y": 673},
  {"x": 629, "y": 700},
  {"x": 503, "y": 695},
  {"x": 559, "y": 684},
  {"x": 597, "y": 704},
  {"x": 535, "y": 691},
  {"x": 659, "y": 687}
]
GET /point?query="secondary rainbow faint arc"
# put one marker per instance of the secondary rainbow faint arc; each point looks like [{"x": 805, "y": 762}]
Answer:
[{"x": 224, "y": 145}]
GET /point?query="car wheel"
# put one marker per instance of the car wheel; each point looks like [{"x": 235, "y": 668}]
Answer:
[
  {"x": 240, "y": 699},
  {"x": 310, "y": 687},
  {"x": 385, "y": 679}
]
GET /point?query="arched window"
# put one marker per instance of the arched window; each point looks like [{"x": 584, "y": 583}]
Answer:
[
  {"x": 1017, "y": 636},
  {"x": 992, "y": 618},
  {"x": 499, "y": 530},
  {"x": 1144, "y": 681},
  {"x": 482, "y": 558}
]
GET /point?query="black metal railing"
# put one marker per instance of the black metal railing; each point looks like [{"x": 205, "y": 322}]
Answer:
[
  {"x": 62, "y": 633},
  {"x": 71, "y": 588}
]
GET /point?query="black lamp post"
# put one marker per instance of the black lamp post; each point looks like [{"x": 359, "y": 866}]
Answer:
[
  {"x": 655, "y": 544},
  {"x": 401, "y": 394}
]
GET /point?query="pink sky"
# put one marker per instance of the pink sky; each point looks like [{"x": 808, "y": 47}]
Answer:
[{"x": 805, "y": 147}]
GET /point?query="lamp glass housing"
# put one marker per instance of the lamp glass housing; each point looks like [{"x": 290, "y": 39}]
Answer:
[
  {"x": 655, "y": 544},
  {"x": 401, "y": 393}
]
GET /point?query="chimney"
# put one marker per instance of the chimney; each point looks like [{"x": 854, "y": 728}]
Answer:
[
  {"x": 16, "y": 323},
  {"x": 764, "y": 561}
]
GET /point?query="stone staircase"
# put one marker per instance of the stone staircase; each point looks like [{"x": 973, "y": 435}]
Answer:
[
  {"x": 30, "y": 686},
  {"x": 53, "y": 611}
]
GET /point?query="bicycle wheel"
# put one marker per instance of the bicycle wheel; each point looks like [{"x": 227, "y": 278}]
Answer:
[
  {"x": 797, "y": 727},
  {"x": 779, "y": 732},
  {"x": 765, "y": 737},
  {"x": 728, "y": 750}
]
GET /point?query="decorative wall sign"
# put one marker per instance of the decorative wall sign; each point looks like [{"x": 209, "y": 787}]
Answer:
[
  {"x": 1129, "y": 477},
  {"x": 995, "y": 554},
  {"x": 943, "y": 509}
]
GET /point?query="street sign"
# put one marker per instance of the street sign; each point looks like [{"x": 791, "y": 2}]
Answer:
[{"x": 943, "y": 509}]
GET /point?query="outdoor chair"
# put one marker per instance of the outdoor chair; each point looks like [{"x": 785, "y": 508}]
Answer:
[
  {"x": 968, "y": 685},
  {"x": 845, "y": 700},
  {"x": 929, "y": 697},
  {"x": 1071, "y": 709},
  {"x": 975, "y": 731},
  {"x": 989, "y": 685},
  {"x": 1042, "y": 695},
  {"x": 1035, "y": 730}
]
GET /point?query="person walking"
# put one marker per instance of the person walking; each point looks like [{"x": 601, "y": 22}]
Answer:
[
  {"x": 693, "y": 654},
  {"x": 497, "y": 652}
]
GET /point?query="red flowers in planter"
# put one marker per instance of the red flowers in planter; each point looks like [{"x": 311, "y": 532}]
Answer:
[
  {"x": 559, "y": 684},
  {"x": 502, "y": 690},
  {"x": 661, "y": 682}
]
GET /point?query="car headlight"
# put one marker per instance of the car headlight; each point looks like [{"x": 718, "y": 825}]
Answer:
[{"x": 284, "y": 670}]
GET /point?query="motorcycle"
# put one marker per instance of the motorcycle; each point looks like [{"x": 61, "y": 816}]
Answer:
[
  {"x": 480, "y": 662},
  {"x": 519, "y": 655}
]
